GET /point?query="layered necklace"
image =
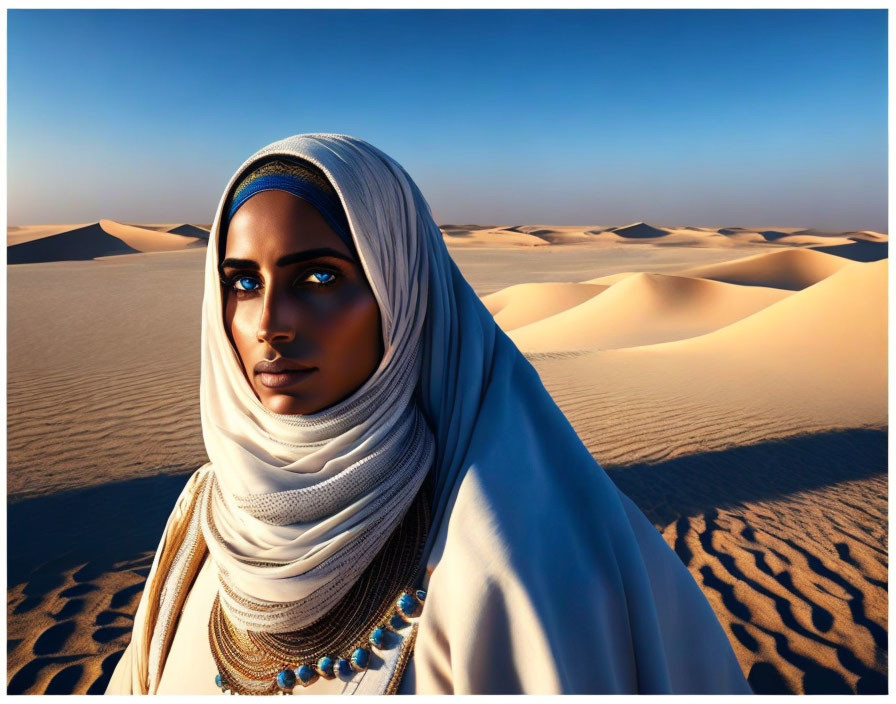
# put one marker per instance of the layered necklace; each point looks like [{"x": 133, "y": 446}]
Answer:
[{"x": 382, "y": 601}]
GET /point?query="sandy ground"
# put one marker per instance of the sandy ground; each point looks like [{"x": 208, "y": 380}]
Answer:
[{"x": 732, "y": 381}]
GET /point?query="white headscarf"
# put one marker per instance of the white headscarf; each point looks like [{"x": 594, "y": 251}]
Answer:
[{"x": 299, "y": 505}]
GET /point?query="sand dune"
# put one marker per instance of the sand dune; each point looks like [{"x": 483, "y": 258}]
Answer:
[
  {"x": 155, "y": 226},
  {"x": 26, "y": 233},
  {"x": 101, "y": 239},
  {"x": 642, "y": 309},
  {"x": 687, "y": 236},
  {"x": 800, "y": 240},
  {"x": 839, "y": 322},
  {"x": 791, "y": 269},
  {"x": 611, "y": 278},
  {"x": 640, "y": 230},
  {"x": 490, "y": 237},
  {"x": 525, "y": 303},
  {"x": 821, "y": 350},
  {"x": 868, "y": 235},
  {"x": 87, "y": 242},
  {"x": 748, "y": 422},
  {"x": 743, "y": 237},
  {"x": 188, "y": 230},
  {"x": 555, "y": 235},
  {"x": 143, "y": 240},
  {"x": 831, "y": 242}
]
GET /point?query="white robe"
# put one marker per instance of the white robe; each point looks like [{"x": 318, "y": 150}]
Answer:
[{"x": 484, "y": 630}]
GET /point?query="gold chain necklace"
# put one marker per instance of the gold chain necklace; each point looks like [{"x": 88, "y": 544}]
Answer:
[{"x": 338, "y": 644}]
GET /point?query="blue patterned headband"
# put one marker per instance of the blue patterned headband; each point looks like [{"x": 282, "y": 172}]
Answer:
[{"x": 304, "y": 181}]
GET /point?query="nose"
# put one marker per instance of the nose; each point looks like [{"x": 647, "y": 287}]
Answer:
[{"x": 275, "y": 323}]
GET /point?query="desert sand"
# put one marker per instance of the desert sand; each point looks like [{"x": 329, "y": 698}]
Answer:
[{"x": 731, "y": 380}]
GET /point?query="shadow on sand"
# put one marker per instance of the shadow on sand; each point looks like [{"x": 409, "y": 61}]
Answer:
[
  {"x": 693, "y": 485},
  {"x": 100, "y": 526},
  {"x": 858, "y": 251},
  {"x": 691, "y": 491}
]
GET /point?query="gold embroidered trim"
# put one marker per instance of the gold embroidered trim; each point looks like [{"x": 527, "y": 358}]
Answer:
[
  {"x": 169, "y": 551},
  {"x": 407, "y": 649}
]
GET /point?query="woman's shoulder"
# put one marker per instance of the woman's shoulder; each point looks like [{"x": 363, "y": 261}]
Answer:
[
  {"x": 197, "y": 476},
  {"x": 496, "y": 616},
  {"x": 549, "y": 569},
  {"x": 190, "y": 488},
  {"x": 520, "y": 513}
]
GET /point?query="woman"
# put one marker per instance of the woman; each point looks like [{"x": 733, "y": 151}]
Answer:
[{"x": 393, "y": 502}]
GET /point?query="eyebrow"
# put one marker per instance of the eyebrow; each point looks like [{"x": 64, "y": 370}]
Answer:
[{"x": 288, "y": 259}]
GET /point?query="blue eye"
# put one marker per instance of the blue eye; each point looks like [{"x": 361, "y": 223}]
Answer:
[
  {"x": 319, "y": 274},
  {"x": 245, "y": 283}
]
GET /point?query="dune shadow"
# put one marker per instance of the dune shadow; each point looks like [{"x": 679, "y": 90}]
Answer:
[
  {"x": 125, "y": 596},
  {"x": 54, "y": 639},
  {"x": 109, "y": 633},
  {"x": 80, "y": 244},
  {"x": 190, "y": 231},
  {"x": 693, "y": 485},
  {"x": 105, "y": 618},
  {"x": 765, "y": 678},
  {"x": 96, "y": 527},
  {"x": 65, "y": 681},
  {"x": 108, "y": 667},
  {"x": 858, "y": 251},
  {"x": 640, "y": 231},
  {"x": 78, "y": 590},
  {"x": 71, "y": 608},
  {"x": 24, "y": 679},
  {"x": 772, "y": 235}
]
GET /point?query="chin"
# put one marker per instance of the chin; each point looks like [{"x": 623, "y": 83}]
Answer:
[{"x": 289, "y": 405}]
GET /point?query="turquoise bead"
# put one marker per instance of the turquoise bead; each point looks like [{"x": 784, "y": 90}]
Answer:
[
  {"x": 408, "y": 605},
  {"x": 286, "y": 679},
  {"x": 325, "y": 667},
  {"x": 307, "y": 674},
  {"x": 360, "y": 659},
  {"x": 344, "y": 667},
  {"x": 219, "y": 681},
  {"x": 421, "y": 594},
  {"x": 397, "y": 622},
  {"x": 378, "y": 637}
]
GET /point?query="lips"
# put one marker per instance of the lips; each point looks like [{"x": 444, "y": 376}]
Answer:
[
  {"x": 280, "y": 365},
  {"x": 280, "y": 373}
]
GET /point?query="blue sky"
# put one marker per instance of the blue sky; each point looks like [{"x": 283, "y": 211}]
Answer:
[{"x": 724, "y": 117}]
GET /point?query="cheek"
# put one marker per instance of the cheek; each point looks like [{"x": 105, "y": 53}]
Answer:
[
  {"x": 240, "y": 324},
  {"x": 351, "y": 322}
]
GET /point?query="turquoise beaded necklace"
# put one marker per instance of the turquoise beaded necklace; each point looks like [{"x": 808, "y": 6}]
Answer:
[{"x": 270, "y": 663}]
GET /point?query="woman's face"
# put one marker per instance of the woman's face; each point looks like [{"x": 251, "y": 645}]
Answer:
[{"x": 297, "y": 306}]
